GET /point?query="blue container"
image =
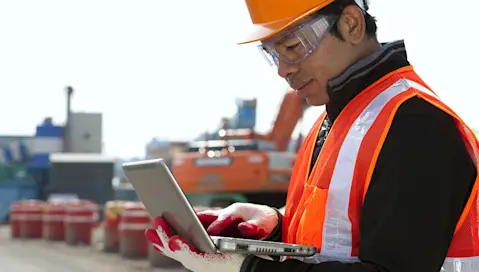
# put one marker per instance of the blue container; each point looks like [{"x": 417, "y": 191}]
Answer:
[
  {"x": 246, "y": 114},
  {"x": 48, "y": 130},
  {"x": 246, "y": 117},
  {"x": 14, "y": 190}
]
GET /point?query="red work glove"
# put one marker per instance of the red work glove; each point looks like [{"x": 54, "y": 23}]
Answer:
[
  {"x": 174, "y": 247},
  {"x": 243, "y": 220}
]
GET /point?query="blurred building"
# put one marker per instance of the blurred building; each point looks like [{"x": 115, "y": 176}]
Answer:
[
  {"x": 85, "y": 134},
  {"x": 157, "y": 148}
]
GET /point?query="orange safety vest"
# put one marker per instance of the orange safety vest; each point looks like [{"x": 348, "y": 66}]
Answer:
[{"x": 324, "y": 208}]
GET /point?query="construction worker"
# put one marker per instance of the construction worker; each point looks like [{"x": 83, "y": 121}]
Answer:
[{"x": 386, "y": 180}]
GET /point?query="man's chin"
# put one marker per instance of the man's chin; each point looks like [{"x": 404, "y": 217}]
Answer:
[{"x": 315, "y": 102}]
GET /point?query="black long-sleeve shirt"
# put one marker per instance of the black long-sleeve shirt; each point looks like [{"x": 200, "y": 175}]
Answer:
[{"x": 421, "y": 182}]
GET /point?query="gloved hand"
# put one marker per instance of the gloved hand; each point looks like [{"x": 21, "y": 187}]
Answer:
[
  {"x": 173, "y": 246},
  {"x": 243, "y": 220}
]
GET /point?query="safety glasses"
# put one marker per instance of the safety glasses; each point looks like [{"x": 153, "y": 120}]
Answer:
[{"x": 297, "y": 44}]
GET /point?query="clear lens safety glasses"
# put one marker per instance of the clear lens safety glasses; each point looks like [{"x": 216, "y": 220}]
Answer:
[{"x": 296, "y": 45}]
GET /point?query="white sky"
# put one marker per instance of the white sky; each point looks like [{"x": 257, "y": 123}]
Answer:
[{"x": 172, "y": 68}]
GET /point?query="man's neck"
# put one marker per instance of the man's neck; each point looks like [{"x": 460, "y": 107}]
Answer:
[
  {"x": 367, "y": 49},
  {"x": 377, "y": 60}
]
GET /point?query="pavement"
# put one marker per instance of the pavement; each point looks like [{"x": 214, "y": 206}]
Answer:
[{"x": 43, "y": 256}]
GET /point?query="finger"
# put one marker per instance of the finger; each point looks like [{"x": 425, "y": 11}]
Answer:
[
  {"x": 209, "y": 212},
  {"x": 163, "y": 230},
  {"x": 226, "y": 227},
  {"x": 154, "y": 239},
  {"x": 160, "y": 224},
  {"x": 200, "y": 209},
  {"x": 206, "y": 219},
  {"x": 249, "y": 230}
]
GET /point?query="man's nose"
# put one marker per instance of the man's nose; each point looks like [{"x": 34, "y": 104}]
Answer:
[{"x": 286, "y": 69}]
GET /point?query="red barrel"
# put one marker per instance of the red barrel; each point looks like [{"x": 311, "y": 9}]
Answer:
[
  {"x": 80, "y": 220},
  {"x": 111, "y": 238},
  {"x": 54, "y": 221},
  {"x": 29, "y": 217},
  {"x": 133, "y": 223},
  {"x": 15, "y": 213}
]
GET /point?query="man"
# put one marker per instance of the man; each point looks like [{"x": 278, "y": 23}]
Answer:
[{"x": 386, "y": 180}]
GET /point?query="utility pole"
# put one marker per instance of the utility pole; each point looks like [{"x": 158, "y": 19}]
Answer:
[{"x": 66, "y": 133}]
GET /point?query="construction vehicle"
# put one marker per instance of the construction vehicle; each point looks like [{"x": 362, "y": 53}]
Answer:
[{"x": 240, "y": 165}]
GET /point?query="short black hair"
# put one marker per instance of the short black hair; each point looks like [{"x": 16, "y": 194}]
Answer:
[{"x": 337, "y": 7}]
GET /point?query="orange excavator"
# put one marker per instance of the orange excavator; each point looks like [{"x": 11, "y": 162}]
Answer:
[{"x": 242, "y": 165}]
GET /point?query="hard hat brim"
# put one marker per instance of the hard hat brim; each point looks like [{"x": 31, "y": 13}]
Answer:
[{"x": 261, "y": 32}]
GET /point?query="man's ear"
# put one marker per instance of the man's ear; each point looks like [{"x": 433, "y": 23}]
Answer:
[{"x": 352, "y": 25}]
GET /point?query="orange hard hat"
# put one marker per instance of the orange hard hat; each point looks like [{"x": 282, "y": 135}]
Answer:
[{"x": 272, "y": 16}]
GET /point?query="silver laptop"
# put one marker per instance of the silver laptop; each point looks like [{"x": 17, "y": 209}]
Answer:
[{"x": 162, "y": 196}]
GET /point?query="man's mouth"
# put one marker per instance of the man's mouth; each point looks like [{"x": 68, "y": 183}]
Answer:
[
  {"x": 300, "y": 89},
  {"x": 301, "y": 86}
]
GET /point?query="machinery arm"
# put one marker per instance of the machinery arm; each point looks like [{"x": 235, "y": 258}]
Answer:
[{"x": 290, "y": 112}]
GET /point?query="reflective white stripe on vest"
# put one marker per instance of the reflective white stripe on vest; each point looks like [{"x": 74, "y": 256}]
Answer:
[
  {"x": 470, "y": 264},
  {"x": 419, "y": 87},
  {"x": 337, "y": 235}
]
